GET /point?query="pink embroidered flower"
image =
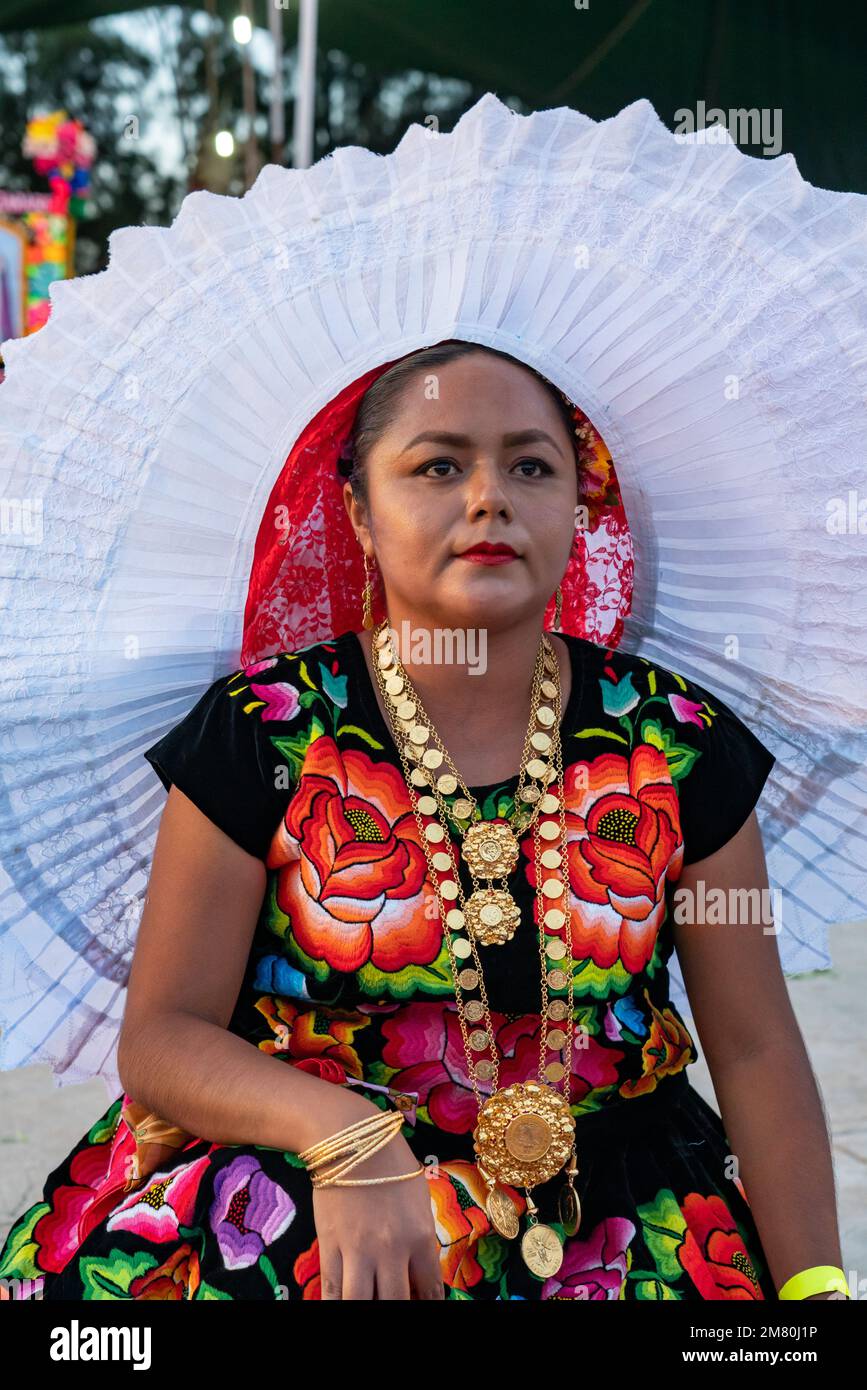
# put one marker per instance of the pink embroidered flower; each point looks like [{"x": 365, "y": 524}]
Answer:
[
  {"x": 258, "y": 666},
  {"x": 593, "y": 1269},
  {"x": 281, "y": 700},
  {"x": 688, "y": 711},
  {"x": 165, "y": 1202},
  {"x": 431, "y": 1031},
  {"x": 77, "y": 1207}
]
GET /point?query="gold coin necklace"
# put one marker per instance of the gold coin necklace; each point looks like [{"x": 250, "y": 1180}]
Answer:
[
  {"x": 490, "y": 849},
  {"x": 525, "y": 1132}
]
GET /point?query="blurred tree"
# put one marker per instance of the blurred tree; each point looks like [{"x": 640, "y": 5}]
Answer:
[
  {"x": 90, "y": 74},
  {"x": 130, "y": 96}
]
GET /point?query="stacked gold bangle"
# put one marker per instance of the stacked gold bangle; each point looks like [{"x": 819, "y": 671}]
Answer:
[{"x": 350, "y": 1146}]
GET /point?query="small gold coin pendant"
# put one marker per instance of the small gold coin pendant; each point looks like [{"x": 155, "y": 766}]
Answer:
[
  {"x": 502, "y": 1213},
  {"x": 542, "y": 1250},
  {"x": 570, "y": 1209}
]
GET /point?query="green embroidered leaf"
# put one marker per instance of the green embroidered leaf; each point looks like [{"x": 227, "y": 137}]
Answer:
[
  {"x": 269, "y": 1271},
  {"x": 293, "y": 747},
  {"x": 380, "y": 1073},
  {"x": 587, "y": 1018},
  {"x": 598, "y": 980},
  {"x": 651, "y": 682},
  {"x": 651, "y": 732},
  {"x": 276, "y": 919},
  {"x": 648, "y": 1287},
  {"x": 601, "y": 733},
  {"x": 679, "y": 756},
  {"x": 492, "y": 1253},
  {"x": 435, "y": 979},
  {"x": 106, "y": 1126},
  {"x": 208, "y": 1293},
  {"x": 109, "y": 1276},
  {"x": 663, "y": 1227},
  {"x": 360, "y": 733},
  {"x": 292, "y": 1159},
  {"x": 19, "y": 1259},
  {"x": 681, "y": 759}
]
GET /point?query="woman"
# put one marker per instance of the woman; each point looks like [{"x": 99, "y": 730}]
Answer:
[{"x": 296, "y": 903}]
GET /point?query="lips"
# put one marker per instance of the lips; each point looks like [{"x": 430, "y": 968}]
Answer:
[{"x": 487, "y": 554}]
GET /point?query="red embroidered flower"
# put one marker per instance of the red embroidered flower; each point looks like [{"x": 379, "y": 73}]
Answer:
[
  {"x": 623, "y": 828},
  {"x": 355, "y": 880},
  {"x": 713, "y": 1252}
]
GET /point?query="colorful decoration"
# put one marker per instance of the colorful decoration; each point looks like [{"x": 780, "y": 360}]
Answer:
[{"x": 62, "y": 150}]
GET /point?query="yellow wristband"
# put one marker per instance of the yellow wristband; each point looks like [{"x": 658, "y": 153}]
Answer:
[{"x": 818, "y": 1279}]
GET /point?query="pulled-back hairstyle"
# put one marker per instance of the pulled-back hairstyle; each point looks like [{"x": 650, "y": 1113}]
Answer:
[{"x": 380, "y": 402}]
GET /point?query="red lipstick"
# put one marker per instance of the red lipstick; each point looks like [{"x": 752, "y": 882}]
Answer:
[{"x": 486, "y": 553}]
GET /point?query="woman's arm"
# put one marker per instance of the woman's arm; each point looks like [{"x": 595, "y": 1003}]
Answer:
[
  {"x": 768, "y": 1096},
  {"x": 174, "y": 1053}
]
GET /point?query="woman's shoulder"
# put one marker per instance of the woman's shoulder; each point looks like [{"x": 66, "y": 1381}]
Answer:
[
  {"x": 287, "y": 681},
  {"x": 697, "y": 740},
  {"x": 625, "y": 671}
]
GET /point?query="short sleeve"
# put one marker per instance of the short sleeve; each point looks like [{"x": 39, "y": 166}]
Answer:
[
  {"x": 229, "y": 754},
  {"x": 725, "y": 772}
]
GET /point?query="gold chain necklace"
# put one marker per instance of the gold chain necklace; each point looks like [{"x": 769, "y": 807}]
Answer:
[
  {"x": 490, "y": 851},
  {"x": 525, "y": 1133}
]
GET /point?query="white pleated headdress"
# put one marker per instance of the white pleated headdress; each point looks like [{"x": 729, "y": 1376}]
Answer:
[{"x": 705, "y": 308}]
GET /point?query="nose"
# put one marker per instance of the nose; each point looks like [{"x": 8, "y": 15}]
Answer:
[{"x": 486, "y": 495}]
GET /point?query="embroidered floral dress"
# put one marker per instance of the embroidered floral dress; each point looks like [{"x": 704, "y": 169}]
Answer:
[{"x": 349, "y": 978}]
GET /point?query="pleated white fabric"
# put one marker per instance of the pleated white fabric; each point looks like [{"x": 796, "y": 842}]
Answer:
[{"x": 705, "y": 308}]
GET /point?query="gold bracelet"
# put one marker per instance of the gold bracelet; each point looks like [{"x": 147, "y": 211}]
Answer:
[
  {"x": 359, "y": 1149},
  {"x": 372, "y": 1146},
  {"x": 344, "y": 1137},
  {"x": 363, "y": 1182}
]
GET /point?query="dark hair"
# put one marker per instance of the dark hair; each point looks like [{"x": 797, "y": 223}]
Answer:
[{"x": 379, "y": 403}]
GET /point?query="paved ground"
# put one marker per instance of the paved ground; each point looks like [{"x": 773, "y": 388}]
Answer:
[{"x": 39, "y": 1123}]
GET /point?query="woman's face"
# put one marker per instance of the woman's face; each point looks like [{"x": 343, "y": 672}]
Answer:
[{"x": 476, "y": 451}]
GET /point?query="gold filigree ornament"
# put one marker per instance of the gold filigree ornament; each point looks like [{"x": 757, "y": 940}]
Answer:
[{"x": 525, "y": 1132}]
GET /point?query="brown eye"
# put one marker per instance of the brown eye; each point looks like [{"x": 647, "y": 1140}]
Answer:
[
  {"x": 546, "y": 467},
  {"x": 433, "y": 463}
]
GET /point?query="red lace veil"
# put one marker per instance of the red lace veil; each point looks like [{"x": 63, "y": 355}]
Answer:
[{"x": 307, "y": 573}]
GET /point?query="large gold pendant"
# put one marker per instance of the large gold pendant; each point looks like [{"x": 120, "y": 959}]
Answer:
[
  {"x": 492, "y": 916},
  {"x": 524, "y": 1133},
  {"x": 490, "y": 849},
  {"x": 542, "y": 1250}
]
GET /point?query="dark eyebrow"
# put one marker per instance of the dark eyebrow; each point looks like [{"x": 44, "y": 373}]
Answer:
[{"x": 463, "y": 440}]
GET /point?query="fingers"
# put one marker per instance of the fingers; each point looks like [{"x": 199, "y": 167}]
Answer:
[
  {"x": 425, "y": 1274},
  {"x": 358, "y": 1278},
  {"x": 392, "y": 1281},
  {"x": 330, "y": 1272}
]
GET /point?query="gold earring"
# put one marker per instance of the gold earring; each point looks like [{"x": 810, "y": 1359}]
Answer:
[
  {"x": 366, "y": 595},
  {"x": 558, "y": 607}
]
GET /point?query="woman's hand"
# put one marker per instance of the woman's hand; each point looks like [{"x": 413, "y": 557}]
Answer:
[{"x": 379, "y": 1241}]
